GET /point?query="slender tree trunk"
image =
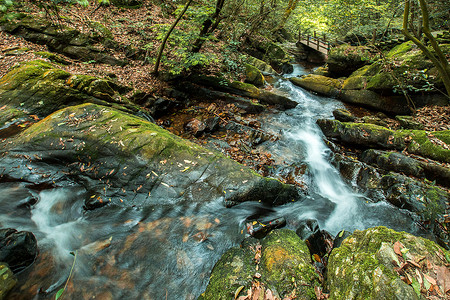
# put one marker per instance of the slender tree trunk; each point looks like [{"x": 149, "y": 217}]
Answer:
[
  {"x": 208, "y": 26},
  {"x": 439, "y": 60},
  {"x": 166, "y": 37},
  {"x": 287, "y": 13}
]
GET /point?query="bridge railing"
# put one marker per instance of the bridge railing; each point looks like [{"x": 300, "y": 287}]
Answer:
[{"x": 315, "y": 42}]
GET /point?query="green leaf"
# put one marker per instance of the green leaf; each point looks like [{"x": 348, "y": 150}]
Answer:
[
  {"x": 416, "y": 286},
  {"x": 59, "y": 293}
]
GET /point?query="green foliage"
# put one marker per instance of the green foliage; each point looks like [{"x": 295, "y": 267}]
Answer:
[
  {"x": 5, "y": 4},
  {"x": 415, "y": 81}
]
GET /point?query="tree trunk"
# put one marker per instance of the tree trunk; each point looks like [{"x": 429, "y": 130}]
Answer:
[
  {"x": 208, "y": 26},
  {"x": 439, "y": 60},
  {"x": 166, "y": 37},
  {"x": 287, "y": 13}
]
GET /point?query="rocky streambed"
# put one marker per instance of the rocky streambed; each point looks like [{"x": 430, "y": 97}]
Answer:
[{"x": 148, "y": 214}]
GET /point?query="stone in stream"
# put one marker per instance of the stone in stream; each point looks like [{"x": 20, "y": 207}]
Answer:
[
  {"x": 7, "y": 280},
  {"x": 319, "y": 241},
  {"x": 195, "y": 126},
  {"x": 280, "y": 263},
  {"x": 254, "y": 76},
  {"x": 343, "y": 115},
  {"x": 138, "y": 159},
  {"x": 17, "y": 248},
  {"x": 432, "y": 145},
  {"x": 380, "y": 263}
]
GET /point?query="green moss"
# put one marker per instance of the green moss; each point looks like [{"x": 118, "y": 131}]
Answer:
[
  {"x": 80, "y": 82},
  {"x": 355, "y": 83},
  {"x": 52, "y": 57},
  {"x": 381, "y": 81},
  {"x": 287, "y": 266},
  {"x": 253, "y": 75},
  {"x": 24, "y": 73},
  {"x": 319, "y": 84},
  {"x": 366, "y": 258},
  {"x": 428, "y": 144},
  {"x": 401, "y": 49}
]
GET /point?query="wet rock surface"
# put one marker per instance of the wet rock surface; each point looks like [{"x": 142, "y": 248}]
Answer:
[
  {"x": 17, "y": 248},
  {"x": 279, "y": 264},
  {"x": 387, "y": 265}
]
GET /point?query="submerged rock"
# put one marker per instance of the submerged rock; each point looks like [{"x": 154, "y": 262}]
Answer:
[
  {"x": 379, "y": 263},
  {"x": 282, "y": 265}
]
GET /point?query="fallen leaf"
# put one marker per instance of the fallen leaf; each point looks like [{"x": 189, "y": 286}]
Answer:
[
  {"x": 429, "y": 279},
  {"x": 397, "y": 247},
  {"x": 238, "y": 290},
  {"x": 413, "y": 263},
  {"x": 443, "y": 277}
]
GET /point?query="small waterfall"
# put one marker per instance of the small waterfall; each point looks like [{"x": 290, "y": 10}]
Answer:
[{"x": 58, "y": 220}]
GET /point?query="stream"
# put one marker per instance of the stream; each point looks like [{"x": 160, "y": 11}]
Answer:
[{"x": 167, "y": 251}]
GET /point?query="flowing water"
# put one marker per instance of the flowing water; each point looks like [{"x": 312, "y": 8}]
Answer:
[{"x": 166, "y": 251}]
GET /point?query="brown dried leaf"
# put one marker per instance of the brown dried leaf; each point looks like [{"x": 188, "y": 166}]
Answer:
[
  {"x": 397, "y": 247},
  {"x": 443, "y": 277},
  {"x": 269, "y": 295},
  {"x": 413, "y": 263},
  {"x": 429, "y": 279}
]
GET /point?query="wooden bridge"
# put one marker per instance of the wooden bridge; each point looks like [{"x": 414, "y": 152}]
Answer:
[{"x": 315, "y": 42}]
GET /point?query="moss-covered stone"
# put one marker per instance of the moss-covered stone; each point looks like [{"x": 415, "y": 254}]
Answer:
[
  {"x": 433, "y": 145},
  {"x": 107, "y": 139},
  {"x": 52, "y": 57},
  {"x": 61, "y": 39},
  {"x": 253, "y": 76},
  {"x": 286, "y": 265},
  {"x": 234, "y": 270},
  {"x": 363, "y": 267},
  {"x": 401, "y": 49},
  {"x": 7, "y": 280},
  {"x": 285, "y": 268},
  {"x": 37, "y": 87},
  {"x": 355, "y": 83},
  {"x": 320, "y": 84},
  {"x": 261, "y": 65}
]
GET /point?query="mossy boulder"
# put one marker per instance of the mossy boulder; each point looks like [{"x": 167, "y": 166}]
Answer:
[
  {"x": 261, "y": 65},
  {"x": 7, "y": 280},
  {"x": 432, "y": 145},
  {"x": 166, "y": 167},
  {"x": 408, "y": 122},
  {"x": 61, "y": 39},
  {"x": 268, "y": 51},
  {"x": 366, "y": 265},
  {"x": 285, "y": 268},
  {"x": 320, "y": 84},
  {"x": 254, "y": 76},
  {"x": 37, "y": 87},
  {"x": 345, "y": 59}
]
